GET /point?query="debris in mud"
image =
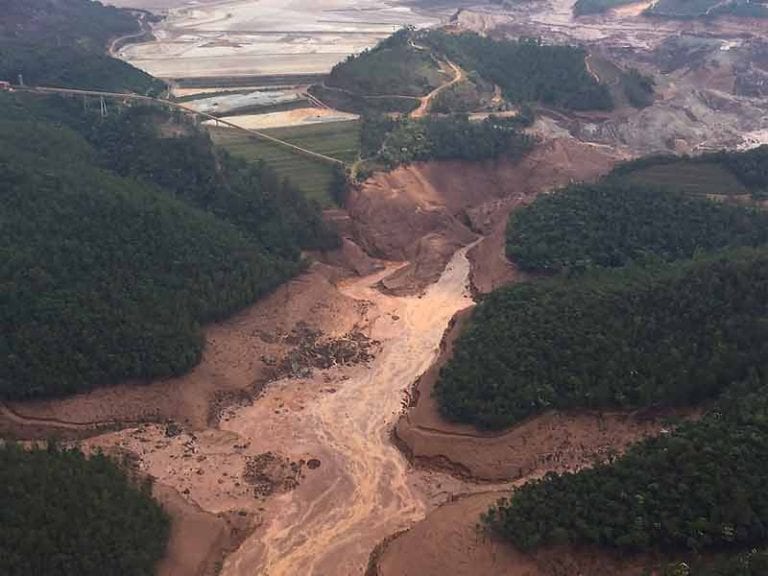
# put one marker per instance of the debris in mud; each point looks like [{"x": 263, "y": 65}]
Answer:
[
  {"x": 172, "y": 429},
  {"x": 226, "y": 400},
  {"x": 269, "y": 472},
  {"x": 312, "y": 350}
]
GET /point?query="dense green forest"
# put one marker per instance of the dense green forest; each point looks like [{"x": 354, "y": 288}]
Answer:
[
  {"x": 389, "y": 142},
  {"x": 701, "y": 487},
  {"x": 62, "y": 43},
  {"x": 395, "y": 67},
  {"x": 406, "y": 65},
  {"x": 613, "y": 224},
  {"x": 118, "y": 243},
  {"x": 62, "y": 513},
  {"x": 672, "y": 335},
  {"x": 526, "y": 70}
]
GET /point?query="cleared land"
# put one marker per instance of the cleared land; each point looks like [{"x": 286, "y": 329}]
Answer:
[
  {"x": 339, "y": 140},
  {"x": 691, "y": 178}
]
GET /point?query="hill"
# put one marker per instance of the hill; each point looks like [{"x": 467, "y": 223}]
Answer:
[
  {"x": 387, "y": 77},
  {"x": 62, "y": 43},
  {"x": 671, "y": 335},
  {"x": 64, "y": 513},
  {"x": 615, "y": 224},
  {"x": 695, "y": 491},
  {"x": 410, "y": 64},
  {"x": 527, "y": 70},
  {"x": 119, "y": 240}
]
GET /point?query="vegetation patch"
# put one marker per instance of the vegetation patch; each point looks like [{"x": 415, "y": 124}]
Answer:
[
  {"x": 526, "y": 70},
  {"x": 119, "y": 241},
  {"x": 585, "y": 7},
  {"x": 613, "y": 224},
  {"x": 62, "y": 44},
  {"x": 699, "y": 488},
  {"x": 671, "y": 335},
  {"x": 64, "y": 513},
  {"x": 395, "y": 67},
  {"x": 389, "y": 143},
  {"x": 718, "y": 173}
]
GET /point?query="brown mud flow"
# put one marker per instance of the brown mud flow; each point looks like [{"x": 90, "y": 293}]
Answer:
[{"x": 362, "y": 491}]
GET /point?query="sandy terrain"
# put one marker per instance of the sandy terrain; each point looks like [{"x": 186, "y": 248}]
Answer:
[
  {"x": 224, "y": 103},
  {"x": 297, "y": 117},
  {"x": 449, "y": 542},
  {"x": 263, "y": 37}
]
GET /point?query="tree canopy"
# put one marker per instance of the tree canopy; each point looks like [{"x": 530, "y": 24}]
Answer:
[
  {"x": 119, "y": 242},
  {"x": 527, "y": 70},
  {"x": 700, "y": 487},
  {"x": 63, "y": 513},
  {"x": 62, "y": 42},
  {"x": 615, "y": 224},
  {"x": 668, "y": 335}
]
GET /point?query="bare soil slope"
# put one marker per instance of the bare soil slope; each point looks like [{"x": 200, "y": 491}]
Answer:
[
  {"x": 422, "y": 213},
  {"x": 450, "y": 542}
]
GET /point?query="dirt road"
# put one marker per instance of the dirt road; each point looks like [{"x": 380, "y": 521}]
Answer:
[
  {"x": 426, "y": 101},
  {"x": 331, "y": 525}
]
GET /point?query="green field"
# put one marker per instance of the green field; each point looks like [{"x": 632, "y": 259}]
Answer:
[
  {"x": 340, "y": 140},
  {"x": 690, "y": 178}
]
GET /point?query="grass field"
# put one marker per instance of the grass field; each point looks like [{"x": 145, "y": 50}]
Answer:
[
  {"x": 340, "y": 140},
  {"x": 690, "y": 178}
]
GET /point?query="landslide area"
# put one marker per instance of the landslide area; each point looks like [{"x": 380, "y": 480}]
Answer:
[{"x": 422, "y": 213}]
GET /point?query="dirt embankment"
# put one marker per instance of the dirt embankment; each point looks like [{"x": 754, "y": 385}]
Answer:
[
  {"x": 449, "y": 541},
  {"x": 551, "y": 442},
  {"x": 424, "y": 212}
]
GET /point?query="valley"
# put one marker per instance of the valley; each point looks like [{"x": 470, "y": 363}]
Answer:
[{"x": 307, "y": 438}]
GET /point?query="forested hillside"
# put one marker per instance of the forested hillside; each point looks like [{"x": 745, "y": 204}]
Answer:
[
  {"x": 526, "y": 70},
  {"x": 395, "y": 67},
  {"x": 700, "y": 488},
  {"x": 671, "y": 335},
  {"x": 62, "y": 513},
  {"x": 615, "y": 224},
  {"x": 389, "y": 143},
  {"x": 116, "y": 249},
  {"x": 62, "y": 43},
  {"x": 406, "y": 65}
]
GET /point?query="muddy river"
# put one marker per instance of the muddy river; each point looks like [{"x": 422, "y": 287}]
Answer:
[{"x": 367, "y": 491}]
